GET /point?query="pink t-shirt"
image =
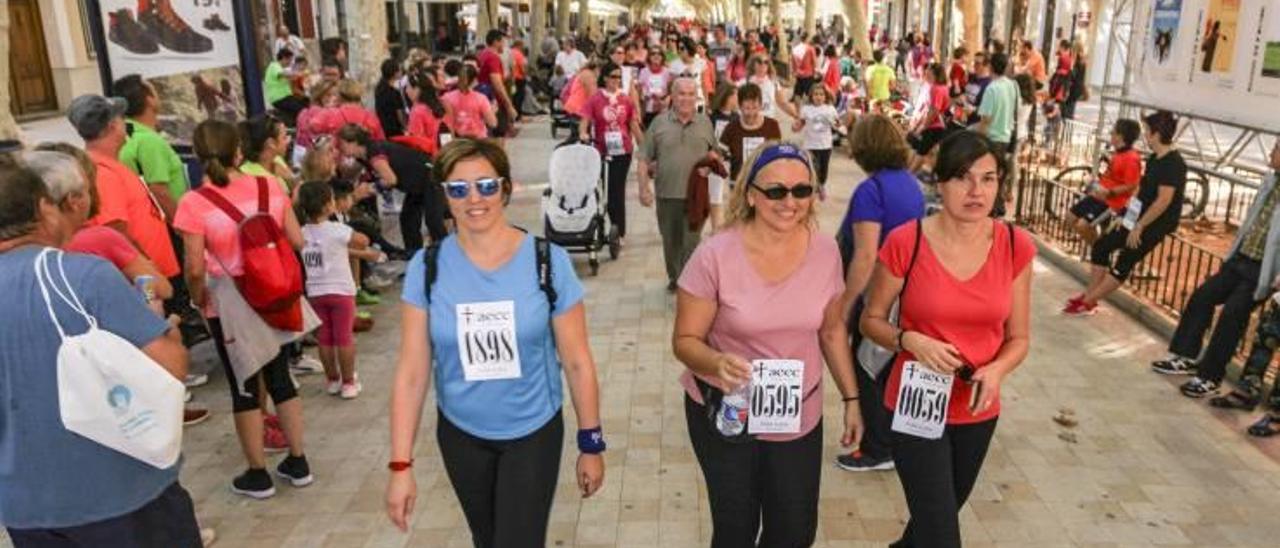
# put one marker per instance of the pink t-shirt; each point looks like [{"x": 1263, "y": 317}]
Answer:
[
  {"x": 609, "y": 114},
  {"x": 197, "y": 215},
  {"x": 969, "y": 314},
  {"x": 760, "y": 320},
  {"x": 107, "y": 243},
  {"x": 468, "y": 113}
]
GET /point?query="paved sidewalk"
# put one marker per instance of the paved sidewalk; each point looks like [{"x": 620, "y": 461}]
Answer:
[{"x": 1145, "y": 466}]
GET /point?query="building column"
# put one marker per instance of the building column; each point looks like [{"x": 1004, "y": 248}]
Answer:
[
  {"x": 855, "y": 12},
  {"x": 584, "y": 18},
  {"x": 972, "y": 10},
  {"x": 775, "y": 19},
  {"x": 562, "y": 18},
  {"x": 538, "y": 20},
  {"x": 8, "y": 126},
  {"x": 486, "y": 18},
  {"x": 746, "y": 15},
  {"x": 810, "y": 15},
  {"x": 367, "y": 43}
]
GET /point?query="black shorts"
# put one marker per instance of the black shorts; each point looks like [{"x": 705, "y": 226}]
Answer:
[
  {"x": 1093, "y": 210},
  {"x": 803, "y": 84},
  {"x": 168, "y": 521},
  {"x": 504, "y": 123},
  {"x": 1115, "y": 241},
  {"x": 928, "y": 139}
]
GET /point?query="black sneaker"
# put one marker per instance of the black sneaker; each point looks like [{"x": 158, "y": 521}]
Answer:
[
  {"x": 254, "y": 483},
  {"x": 1174, "y": 365},
  {"x": 171, "y": 31},
  {"x": 1199, "y": 388},
  {"x": 124, "y": 31},
  {"x": 858, "y": 461},
  {"x": 295, "y": 470},
  {"x": 214, "y": 23}
]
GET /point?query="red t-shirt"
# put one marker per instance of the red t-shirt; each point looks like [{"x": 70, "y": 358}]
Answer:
[
  {"x": 940, "y": 100},
  {"x": 968, "y": 314},
  {"x": 1125, "y": 169},
  {"x": 332, "y": 120},
  {"x": 467, "y": 113},
  {"x": 610, "y": 114},
  {"x": 101, "y": 241},
  {"x": 488, "y": 63},
  {"x": 959, "y": 77}
]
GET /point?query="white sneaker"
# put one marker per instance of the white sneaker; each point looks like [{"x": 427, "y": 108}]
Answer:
[
  {"x": 193, "y": 381},
  {"x": 378, "y": 282},
  {"x": 351, "y": 390},
  {"x": 333, "y": 387},
  {"x": 306, "y": 365},
  {"x": 186, "y": 398},
  {"x": 208, "y": 536}
]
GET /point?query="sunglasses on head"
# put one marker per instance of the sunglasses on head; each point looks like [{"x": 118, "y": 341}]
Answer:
[
  {"x": 617, "y": 75},
  {"x": 459, "y": 190},
  {"x": 779, "y": 192}
]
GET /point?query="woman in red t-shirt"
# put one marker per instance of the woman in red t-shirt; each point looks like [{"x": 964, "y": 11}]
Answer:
[
  {"x": 931, "y": 127},
  {"x": 964, "y": 320},
  {"x": 611, "y": 113}
]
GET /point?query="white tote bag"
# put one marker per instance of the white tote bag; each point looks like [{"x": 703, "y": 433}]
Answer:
[{"x": 109, "y": 390}]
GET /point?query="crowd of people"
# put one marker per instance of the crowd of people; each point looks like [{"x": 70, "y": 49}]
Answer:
[{"x": 918, "y": 318}]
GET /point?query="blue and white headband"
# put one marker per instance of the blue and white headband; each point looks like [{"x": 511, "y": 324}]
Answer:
[{"x": 776, "y": 152}]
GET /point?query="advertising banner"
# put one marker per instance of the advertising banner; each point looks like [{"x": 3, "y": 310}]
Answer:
[
  {"x": 187, "y": 49},
  {"x": 1210, "y": 57}
]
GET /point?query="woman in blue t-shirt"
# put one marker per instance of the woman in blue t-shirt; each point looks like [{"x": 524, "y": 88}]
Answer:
[
  {"x": 505, "y": 313},
  {"x": 890, "y": 196}
]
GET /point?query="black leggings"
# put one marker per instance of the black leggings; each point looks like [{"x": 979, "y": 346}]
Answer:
[
  {"x": 937, "y": 477},
  {"x": 875, "y": 418},
  {"x": 821, "y": 164},
  {"x": 418, "y": 207},
  {"x": 618, "y": 166},
  {"x": 749, "y": 483},
  {"x": 505, "y": 487},
  {"x": 1128, "y": 258},
  {"x": 275, "y": 375}
]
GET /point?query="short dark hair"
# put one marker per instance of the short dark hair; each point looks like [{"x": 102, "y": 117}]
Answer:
[
  {"x": 999, "y": 62},
  {"x": 355, "y": 133},
  {"x": 284, "y": 53},
  {"x": 959, "y": 151},
  {"x": 21, "y": 191},
  {"x": 342, "y": 188},
  {"x": 465, "y": 149},
  {"x": 1129, "y": 130},
  {"x": 1162, "y": 122},
  {"x": 494, "y": 36},
  {"x": 604, "y": 72},
  {"x": 313, "y": 197},
  {"x": 878, "y": 143},
  {"x": 877, "y": 55},
  {"x": 254, "y": 134},
  {"x": 134, "y": 90},
  {"x": 389, "y": 68},
  {"x": 750, "y": 92},
  {"x": 329, "y": 47},
  {"x": 329, "y": 61}
]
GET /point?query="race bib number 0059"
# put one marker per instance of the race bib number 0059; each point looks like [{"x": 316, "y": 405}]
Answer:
[
  {"x": 487, "y": 344},
  {"x": 776, "y": 396},
  {"x": 923, "y": 396}
]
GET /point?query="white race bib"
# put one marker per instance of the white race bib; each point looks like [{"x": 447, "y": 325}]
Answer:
[
  {"x": 923, "y": 396},
  {"x": 722, "y": 64},
  {"x": 613, "y": 145},
  {"x": 1131, "y": 214},
  {"x": 749, "y": 145},
  {"x": 487, "y": 344},
  {"x": 777, "y": 392},
  {"x": 657, "y": 84},
  {"x": 720, "y": 125},
  {"x": 445, "y": 138}
]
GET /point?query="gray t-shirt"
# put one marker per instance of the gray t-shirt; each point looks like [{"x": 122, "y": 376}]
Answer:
[
  {"x": 677, "y": 146},
  {"x": 50, "y": 477}
]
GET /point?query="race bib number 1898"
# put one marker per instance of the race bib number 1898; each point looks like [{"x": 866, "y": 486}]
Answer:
[
  {"x": 776, "y": 396},
  {"x": 487, "y": 341},
  {"x": 923, "y": 396}
]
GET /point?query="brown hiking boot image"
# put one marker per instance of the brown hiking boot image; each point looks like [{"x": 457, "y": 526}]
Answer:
[
  {"x": 170, "y": 30},
  {"x": 215, "y": 23},
  {"x": 125, "y": 32}
]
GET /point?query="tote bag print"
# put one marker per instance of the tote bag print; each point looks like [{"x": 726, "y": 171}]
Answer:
[{"x": 109, "y": 391}]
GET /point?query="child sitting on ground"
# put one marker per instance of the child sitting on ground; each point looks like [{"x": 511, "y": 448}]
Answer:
[{"x": 331, "y": 289}]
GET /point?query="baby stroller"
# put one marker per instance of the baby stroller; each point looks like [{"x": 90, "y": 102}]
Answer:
[{"x": 574, "y": 205}]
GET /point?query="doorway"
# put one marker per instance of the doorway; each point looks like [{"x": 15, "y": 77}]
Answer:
[{"x": 30, "y": 77}]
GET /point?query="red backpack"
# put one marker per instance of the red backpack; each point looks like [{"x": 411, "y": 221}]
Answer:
[{"x": 272, "y": 278}]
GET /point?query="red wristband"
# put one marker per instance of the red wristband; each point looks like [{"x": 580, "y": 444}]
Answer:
[{"x": 399, "y": 465}]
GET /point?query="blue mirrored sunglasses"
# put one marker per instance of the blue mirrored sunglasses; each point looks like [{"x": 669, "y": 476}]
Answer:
[{"x": 459, "y": 190}]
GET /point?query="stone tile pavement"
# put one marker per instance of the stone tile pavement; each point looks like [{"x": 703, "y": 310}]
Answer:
[{"x": 1143, "y": 467}]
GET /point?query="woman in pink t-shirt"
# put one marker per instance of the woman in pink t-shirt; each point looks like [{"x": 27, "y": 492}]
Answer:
[
  {"x": 612, "y": 126},
  {"x": 213, "y": 256},
  {"x": 469, "y": 113},
  {"x": 963, "y": 284},
  {"x": 760, "y": 302}
]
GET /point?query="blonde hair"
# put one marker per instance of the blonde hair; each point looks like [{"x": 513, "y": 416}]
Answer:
[
  {"x": 316, "y": 165},
  {"x": 350, "y": 91},
  {"x": 321, "y": 90},
  {"x": 738, "y": 209}
]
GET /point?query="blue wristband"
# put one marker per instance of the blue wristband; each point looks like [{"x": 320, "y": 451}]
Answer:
[{"x": 591, "y": 441}]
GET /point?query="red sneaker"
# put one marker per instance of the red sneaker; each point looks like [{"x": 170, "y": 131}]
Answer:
[
  {"x": 274, "y": 440},
  {"x": 1080, "y": 308}
]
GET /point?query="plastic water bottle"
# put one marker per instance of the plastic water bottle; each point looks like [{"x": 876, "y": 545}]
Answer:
[{"x": 732, "y": 418}]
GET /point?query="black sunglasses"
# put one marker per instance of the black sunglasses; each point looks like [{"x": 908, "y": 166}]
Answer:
[{"x": 780, "y": 192}]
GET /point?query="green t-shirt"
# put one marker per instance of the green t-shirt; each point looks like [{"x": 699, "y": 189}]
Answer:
[
  {"x": 275, "y": 84},
  {"x": 879, "y": 76},
  {"x": 998, "y": 103},
  {"x": 149, "y": 155},
  {"x": 258, "y": 170}
]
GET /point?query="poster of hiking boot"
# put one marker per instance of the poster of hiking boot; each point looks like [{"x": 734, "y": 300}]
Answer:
[
  {"x": 1265, "y": 80},
  {"x": 186, "y": 49}
]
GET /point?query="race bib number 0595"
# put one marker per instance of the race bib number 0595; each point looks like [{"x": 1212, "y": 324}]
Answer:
[
  {"x": 923, "y": 396},
  {"x": 487, "y": 341},
  {"x": 776, "y": 396}
]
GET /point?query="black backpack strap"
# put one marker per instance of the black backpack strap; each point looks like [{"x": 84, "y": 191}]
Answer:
[
  {"x": 431, "y": 264},
  {"x": 1012, "y": 242},
  {"x": 915, "y": 252},
  {"x": 542, "y": 249}
]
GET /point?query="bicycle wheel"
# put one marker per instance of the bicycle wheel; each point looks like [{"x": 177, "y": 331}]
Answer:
[
  {"x": 1195, "y": 197},
  {"x": 1074, "y": 178}
]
